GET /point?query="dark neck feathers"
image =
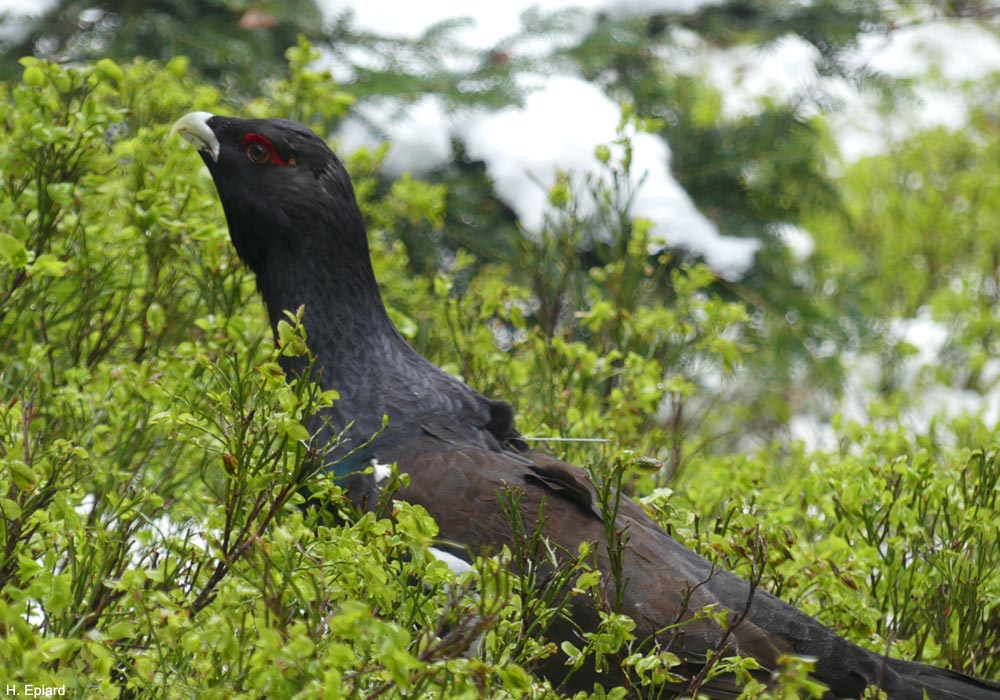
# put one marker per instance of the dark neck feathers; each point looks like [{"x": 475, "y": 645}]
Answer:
[{"x": 358, "y": 350}]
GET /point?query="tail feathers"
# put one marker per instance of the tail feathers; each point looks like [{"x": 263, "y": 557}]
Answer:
[{"x": 942, "y": 684}]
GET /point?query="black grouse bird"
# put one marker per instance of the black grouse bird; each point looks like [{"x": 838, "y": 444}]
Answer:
[{"x": 294, "y": 220}]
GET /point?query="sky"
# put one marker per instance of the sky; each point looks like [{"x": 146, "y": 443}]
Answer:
[{"x": 564, "y": 118}]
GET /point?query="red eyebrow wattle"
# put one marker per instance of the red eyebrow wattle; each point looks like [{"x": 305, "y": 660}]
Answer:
[{"x": 253, "y": 138}]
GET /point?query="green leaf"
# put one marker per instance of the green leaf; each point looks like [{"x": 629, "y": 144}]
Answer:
[
  {"x": 61, "y": 193},
  {"x": 290, "y": 341},
  {"x": 294, "y": 430},
  {"x": 109, "y": 70},
  {"x": 573, "y": 655},
  {"x": 47, "y": 265},
  {"x": 23, "y": 476},
  {"x": 12, "y": 251},
  {"x": 9, "y": 509},
  {"x": 514, "y": 678},
  {"x": 33, "y": 76},
  {"x": 588, "y": 581}
]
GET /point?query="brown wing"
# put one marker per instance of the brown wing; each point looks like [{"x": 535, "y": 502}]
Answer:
[{"x": 462, "y": 489}]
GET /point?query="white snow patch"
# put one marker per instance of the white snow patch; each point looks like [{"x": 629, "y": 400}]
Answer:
[
  {"x": 633, "y": 8},
  {"x": 557, "y": 130},
  {"x": 798, "y": 241},
  {"x": 945, "y": 56},
  {"x": 456, "y": 564},
  {"x": 419, "y": 135},
  {"x": 18, "y": 17},
  {"x": 381, "y": 472},
  {"x": 564, "y": 118},
  {"x": 815, "y": 433},
  {"x": 525, "y": 147},
  {"x": 749, "y": 76},
  {"x": 942, "y": 55},
  {"x": 925, "y": 334},
  {"x": 959, "y": 51},
  {"x": 483, "y": 25},
  {"x": 491, "y": 23},
  {"x": 26, "y": 8},
  {"x": 929, "y": 399}
]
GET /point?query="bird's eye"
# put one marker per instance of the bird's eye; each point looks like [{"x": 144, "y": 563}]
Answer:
[
  {"x": 260, "y": 150},
  {"x": 257, "y": 153}
]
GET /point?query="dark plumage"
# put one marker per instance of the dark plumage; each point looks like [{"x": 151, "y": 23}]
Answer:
[{"x": 294, "y": 220}]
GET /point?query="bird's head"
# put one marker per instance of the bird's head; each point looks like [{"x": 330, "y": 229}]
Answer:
[{"x": 284, "y": 191}]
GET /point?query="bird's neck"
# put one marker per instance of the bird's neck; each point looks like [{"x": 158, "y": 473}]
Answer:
[
  {"x": 359, "y": 353},
  {"x": 344, "y": 318},
  {"x": 356, "y": 348}
]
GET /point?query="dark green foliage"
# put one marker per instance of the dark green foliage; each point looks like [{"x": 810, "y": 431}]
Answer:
[
  {"x": 404, "y": 70},
  {"x": 238, "y": 45}
]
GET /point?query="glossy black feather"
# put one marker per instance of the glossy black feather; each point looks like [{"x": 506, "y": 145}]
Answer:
[{"x": 299, "y": 228}]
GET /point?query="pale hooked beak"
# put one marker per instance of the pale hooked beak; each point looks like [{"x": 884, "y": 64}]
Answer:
[{"x": 193, "y": 128}]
